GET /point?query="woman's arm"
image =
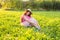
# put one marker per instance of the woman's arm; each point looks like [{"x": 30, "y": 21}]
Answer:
[
  {"x": 28, "y": 20},
  {"x": 31, "y": 21}
]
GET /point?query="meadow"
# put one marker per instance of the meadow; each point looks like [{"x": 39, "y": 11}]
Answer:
[{"x": 10, "y": 28}]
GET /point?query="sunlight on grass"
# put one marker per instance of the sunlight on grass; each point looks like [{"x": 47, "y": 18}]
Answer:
[{"x": 10, "y": 28}]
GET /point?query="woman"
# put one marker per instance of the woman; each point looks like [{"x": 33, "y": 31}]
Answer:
[{"x": 27, "y": 20}]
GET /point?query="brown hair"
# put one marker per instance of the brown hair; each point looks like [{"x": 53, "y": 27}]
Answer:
[{"x": 28, "y": 11}]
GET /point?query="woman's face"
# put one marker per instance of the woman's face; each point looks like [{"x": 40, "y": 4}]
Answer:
[{"x": 28, "y": 13}]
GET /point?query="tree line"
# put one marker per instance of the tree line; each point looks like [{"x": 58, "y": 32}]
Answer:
[{"x": 32, "y": 4}]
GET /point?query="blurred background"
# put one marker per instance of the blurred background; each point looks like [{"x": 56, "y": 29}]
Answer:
[{"x": 32, "y": 4}]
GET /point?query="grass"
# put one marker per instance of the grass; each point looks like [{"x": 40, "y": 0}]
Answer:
[{"x": 10, "y": 28}]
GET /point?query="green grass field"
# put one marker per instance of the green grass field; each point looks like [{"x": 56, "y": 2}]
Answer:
[{"x": 10, "y": 28}]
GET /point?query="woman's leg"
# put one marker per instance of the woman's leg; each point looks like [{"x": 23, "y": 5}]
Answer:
[
  {"x": 26, "y": 24},
  {"x": 35, "y": 23},
  {"x": 37, "y": 26}
]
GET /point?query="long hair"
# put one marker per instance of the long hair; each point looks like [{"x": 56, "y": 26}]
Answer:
[{"x": 28, "y": 11}]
